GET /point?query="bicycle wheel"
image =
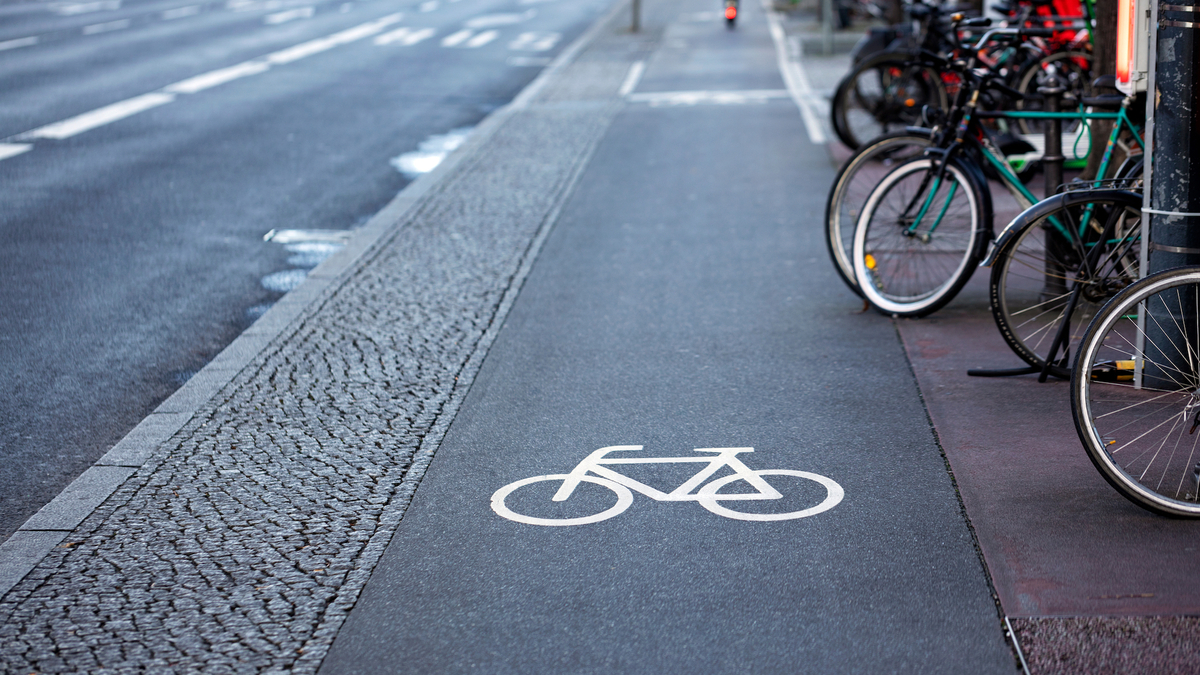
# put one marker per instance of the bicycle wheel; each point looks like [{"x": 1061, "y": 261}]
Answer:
[
  {"x": 920, "y": 236},
  {"x": 1048, "y": 260},
  {"x": 1075, "y": 68},
  {"x": 710, "y": 497},
  {"x": 499, "y": 505},
  {"x": 854, "y": 183},
  {"x": 884, "y": 93},
  {"x": 1135, "y": 392}
]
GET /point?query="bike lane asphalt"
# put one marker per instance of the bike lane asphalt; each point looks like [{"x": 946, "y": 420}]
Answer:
[{"x": 682, "y": 301}]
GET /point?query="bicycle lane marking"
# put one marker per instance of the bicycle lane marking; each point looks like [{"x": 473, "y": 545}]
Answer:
[{"x": 708, "y": 495}]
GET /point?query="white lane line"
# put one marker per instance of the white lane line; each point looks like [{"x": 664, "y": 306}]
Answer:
[
  {"x": 796, "y": 80},
  {"x": 289, "y": 15},
  {"x": 429, "y": 6},
  {"x": 742, "y": 97},
  {"x": 216, "y": 77},
  {"x": 100, "y": 116},
  {"x": 482, "y": 39},
  {"x": 632, "y": 79},
  {"x": 106, "y": 27},
  {"x": 311, "y": 47},
  {"x": 493, "y": 20},
  {"x": 180, "y": 12},
  {"x": 122, "y": 109},
  {"x": 13, "y": 149},
  {"x": 535, "y": 41},
  {"x": 73, "y": 8},
  {"x": 19, "y": 42},
  {"x": 455, "y": 39},
  {"x": 406, "y": 36}
]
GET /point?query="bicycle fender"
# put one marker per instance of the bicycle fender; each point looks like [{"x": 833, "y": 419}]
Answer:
[{"x": 1040, "y": 210}]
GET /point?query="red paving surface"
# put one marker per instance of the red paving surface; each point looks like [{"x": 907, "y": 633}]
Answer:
[{"x": 1057, "y": 539}]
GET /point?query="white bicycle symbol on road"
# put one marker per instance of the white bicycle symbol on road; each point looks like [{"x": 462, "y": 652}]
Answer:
[{"x": 595, "y": 469}]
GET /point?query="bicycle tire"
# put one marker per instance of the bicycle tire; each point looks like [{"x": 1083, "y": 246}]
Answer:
[
  {"x": 1033, "y": 278},
  {"x": 883, "y": 93},
  {"x": 624, "y": 499},
  {"x": 898, "y": 266},
  {"x": 1142, "y": 439},
  {"x": 854, "y": 183},
  {"x": 708, "y": 497},
  {"x": 1079, "y": 83}
]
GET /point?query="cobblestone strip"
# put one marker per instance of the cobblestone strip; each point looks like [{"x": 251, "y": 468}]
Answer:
[{"x": 242, "y": 543}]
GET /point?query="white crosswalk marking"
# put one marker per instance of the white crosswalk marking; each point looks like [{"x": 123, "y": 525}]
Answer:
[
  {"x": 406, "y": 36},
  {"x": 482, "y": 39},
  {"x": 535, "y": 41}
]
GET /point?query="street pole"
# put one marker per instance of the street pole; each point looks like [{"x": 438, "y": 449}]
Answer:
[
  {"x": 1175, "y": 189},
  {"x": 636, "y": 25},
  {"x": 827, "y": 26}
]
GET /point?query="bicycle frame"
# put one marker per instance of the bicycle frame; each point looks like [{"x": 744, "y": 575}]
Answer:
[{"x": 598, "y": 462}]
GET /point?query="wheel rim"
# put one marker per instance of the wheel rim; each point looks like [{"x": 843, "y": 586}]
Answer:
[
  {"x": 1034, "y": 281},
  {"x": 906, "y": 274},
  {"x": 1143, "y": 440}
]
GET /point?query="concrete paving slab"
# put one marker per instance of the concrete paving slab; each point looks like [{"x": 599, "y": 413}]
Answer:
[{"x": 66, "y": 511}]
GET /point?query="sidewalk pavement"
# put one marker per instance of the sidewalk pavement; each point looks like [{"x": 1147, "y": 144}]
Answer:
[{"x": 501, "y": 303}]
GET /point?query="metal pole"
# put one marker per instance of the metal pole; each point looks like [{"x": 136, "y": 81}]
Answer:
[
  {"x": 1174, "y": 232},
  {"x": 636, "y": 25}
]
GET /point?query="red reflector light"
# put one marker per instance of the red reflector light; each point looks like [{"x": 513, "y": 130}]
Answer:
[{"x": 730, "y": 12}]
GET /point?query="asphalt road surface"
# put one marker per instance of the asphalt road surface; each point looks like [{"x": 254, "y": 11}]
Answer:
[{"x": 146, "y": 149}]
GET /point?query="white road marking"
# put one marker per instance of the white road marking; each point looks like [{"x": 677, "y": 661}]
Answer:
[
  {"x": 455, "y": 39},
  {"x": 406, "y": 36},
  {"x": 18, "y": 42},
  {"x": 180, "y": 12},
  {"x": 492, "y": 20},
  {"x": 429, "y": 6},
  {"x": 632, "y": 79},
  {"x": 13, "y": 149},
  {"x": 106, "y": 27},
  {"x": 796, "y": 80},
  {"x": 303, "y": 236},
  {"x": 430, "y": 153},
  {"x": 311, "y": 47},
  {"x": 216, "y": 77},
  {"x": 482, "y": 39},
  {"x": 289, "y": 15},
  {"x": 122, "y": 109},
  {"x": 253, "y": 5},
  {"x": 662, "y": 98},
  {"x": 72, "y": 8},
  {"x": 535, "y": 41},
  {"x": 100, "y": 116},
  {"x": 539, "y": 61}
]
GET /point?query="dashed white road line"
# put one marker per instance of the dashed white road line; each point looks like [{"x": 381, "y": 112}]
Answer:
[
  {"x": 13, "y": 149},
  {"x": 73, "y": 8},
  {"x": 493, "y": 20},
  {"x": 100, "y": 116},
  {"x": 289, "y": 15},
  {"x": 406, "y": 36},
  {"x": 106, "y": 27},
  {"x": 482, "y": 39},
  {"x": 455, "y": 39},
  {"x": 216, "y": 77},
  {"x": 632, "y": 79},
  {"x": 122, "y": 109},
  {"x": 18, "y": 42},
  {"x": 180, "y": 12},
  {"x": 535, "y": 41}
]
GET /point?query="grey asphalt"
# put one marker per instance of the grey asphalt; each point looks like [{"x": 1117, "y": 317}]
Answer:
[
  {"x": 683, "y": 301},
  {"x": 587, "y": 271},
  {"x": 134, "y": 253}
]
